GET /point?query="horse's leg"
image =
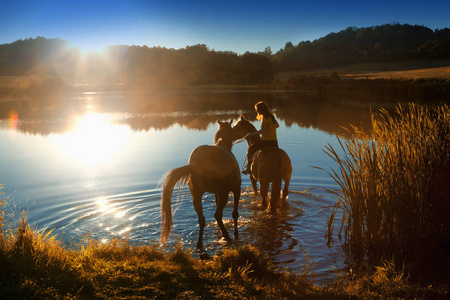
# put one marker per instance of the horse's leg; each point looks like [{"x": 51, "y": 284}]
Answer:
[
  {"x": 236, "y": 195},
  {"x": 275, "y": 196},
  {"x": 287, "y": 180},
  {"x": 254, "y": 185},
  {"x": 221, "y": 202},
  {"x": 287, "y": 171},
  {"x": 197, "y": 199},
  {"x": 264, "y": 189}
]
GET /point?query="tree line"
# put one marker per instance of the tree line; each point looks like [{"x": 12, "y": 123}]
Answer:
[
  {"x": 383, "y": 43},
  {"x": 137, "y": 66},
  {"x": 142, "y": 66}
]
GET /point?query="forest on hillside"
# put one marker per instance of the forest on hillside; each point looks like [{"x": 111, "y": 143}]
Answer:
[
  {"x": 143, "y": 66},
  {"x": 389, "y": 42}
]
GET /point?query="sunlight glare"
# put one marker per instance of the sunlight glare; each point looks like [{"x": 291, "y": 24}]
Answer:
[
  {"x": 120, "y": 214},
  {"x": 94, "y": 140},
  {"x": 123, "y": 231},
  {"x": 102, "y": 204}
]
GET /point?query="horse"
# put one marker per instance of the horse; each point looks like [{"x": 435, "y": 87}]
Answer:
[
  {"x": 268, "y": 165},
  {"x": 213, "y": 169}
]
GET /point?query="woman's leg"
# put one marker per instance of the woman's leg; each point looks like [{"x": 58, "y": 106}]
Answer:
[{"x": 250, "y": 152}]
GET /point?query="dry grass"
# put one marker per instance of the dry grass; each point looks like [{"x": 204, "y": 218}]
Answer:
[
  {"x": 9, "y": 81},
  {"x": 390, "y": 70},
  {"x": 35, "y": 265},
  {"x": 441, "y": 72},
  {"x": 394, "y": 190}
]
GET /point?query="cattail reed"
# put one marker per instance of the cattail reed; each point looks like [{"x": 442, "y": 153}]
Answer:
[{"x": 395, "y": 186}]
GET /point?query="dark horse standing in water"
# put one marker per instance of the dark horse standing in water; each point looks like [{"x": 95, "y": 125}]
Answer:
[
  {"x": 212, "y": 169},
  {"x": 269, "y": 165}
]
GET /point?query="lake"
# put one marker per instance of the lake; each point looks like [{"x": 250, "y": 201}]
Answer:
[{"x": 89, "y": 165}]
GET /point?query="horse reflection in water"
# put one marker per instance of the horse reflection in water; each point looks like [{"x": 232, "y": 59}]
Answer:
[
  {"x": 269, "y": 165},
  {"x": 273, "y": 234},
  {"x": 213, "y": 169}
]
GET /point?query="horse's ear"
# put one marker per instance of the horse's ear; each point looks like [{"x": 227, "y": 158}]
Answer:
[
  {"x": 242, "y": 117},
  {"x": 220, "y": 123}
]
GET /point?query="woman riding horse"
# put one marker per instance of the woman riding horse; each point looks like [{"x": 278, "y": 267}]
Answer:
[
  {"x": 268, "y": 165},
  {"x": 268, "y": 132},
  {"x": 213, "y": 169}
]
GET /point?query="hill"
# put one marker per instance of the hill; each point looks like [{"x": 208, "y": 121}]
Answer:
[
  {"x": 383, "y": 43},
  {"x": 354, "y": 52}
]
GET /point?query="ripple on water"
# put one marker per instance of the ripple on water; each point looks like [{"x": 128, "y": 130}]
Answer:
[{"x": 293, "y": 238}]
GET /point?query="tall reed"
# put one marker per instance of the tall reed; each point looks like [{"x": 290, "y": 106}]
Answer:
[{"x": 395, "y": 186}]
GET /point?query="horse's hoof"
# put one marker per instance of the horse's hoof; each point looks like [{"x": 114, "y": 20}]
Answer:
[
  {"x": 271, "y": 211},
  {"x": 285, "y": 205}
]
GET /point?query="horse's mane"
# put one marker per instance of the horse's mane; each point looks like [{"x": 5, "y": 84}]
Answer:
[
  {"x": 224, "y": 136},
  {"x": 249, "y": 126}
]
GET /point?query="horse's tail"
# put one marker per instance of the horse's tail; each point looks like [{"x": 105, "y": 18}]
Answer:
[
  {"x": 276, "y": 188},
  {"x": 171, "y": 179}
]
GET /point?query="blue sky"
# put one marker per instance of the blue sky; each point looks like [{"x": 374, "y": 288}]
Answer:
[{"x": 236, "y": 26}]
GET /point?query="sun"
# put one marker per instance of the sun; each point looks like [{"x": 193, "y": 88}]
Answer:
[{"x": 94, "y": 140}]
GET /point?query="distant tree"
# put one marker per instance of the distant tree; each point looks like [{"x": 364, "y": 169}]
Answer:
[
  {"x": 218, "y": 69},
  {"x": 436, "y": 49},
  {"x": 442, "y": 33},
  {"x": 39, "y": 56},
  {"x": 288, "y": 46},
  {"x": 253, "y": 69},
  {"x": 267, "y": 52},
  {"x": 377, "y": 50},
  {"x": 354, "y": 45}
]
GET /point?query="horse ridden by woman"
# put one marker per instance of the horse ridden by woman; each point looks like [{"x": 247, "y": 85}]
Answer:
[
  {"x": 213, "y": 169},
  {"x": 268, "y": 165}
]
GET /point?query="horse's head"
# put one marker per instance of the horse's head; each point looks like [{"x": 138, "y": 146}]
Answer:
[
  {"x": 242, "y": 127},
  {"x": 224, "y": 136}
]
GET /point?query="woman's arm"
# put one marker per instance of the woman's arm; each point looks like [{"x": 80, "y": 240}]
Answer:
[{"x": 262, "y": 130}]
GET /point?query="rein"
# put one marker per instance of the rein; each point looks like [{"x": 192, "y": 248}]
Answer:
[{"x": 239, "y": 141}]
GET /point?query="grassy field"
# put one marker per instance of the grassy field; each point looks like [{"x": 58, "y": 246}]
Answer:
[
  {"x": 9, "y": 81},
  {"x": 387, "y": 70}
]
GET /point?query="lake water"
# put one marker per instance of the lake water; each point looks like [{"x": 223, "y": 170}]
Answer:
[{"x": 90, "y": 164}]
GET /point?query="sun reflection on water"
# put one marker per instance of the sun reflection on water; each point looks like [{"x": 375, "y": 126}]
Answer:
[
  {"x": 105, "y": 207},
  {"x": 94, "y": 140},
  {"x": 102, "y": 204},
  {"x": 120, "y": 214}
]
